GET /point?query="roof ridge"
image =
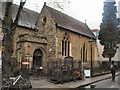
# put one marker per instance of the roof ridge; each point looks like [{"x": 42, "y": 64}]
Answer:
[
  {"x": 65, "y": 21},
  {"x": 63, "y": 13},
  {"x": 50, "y": 11}
]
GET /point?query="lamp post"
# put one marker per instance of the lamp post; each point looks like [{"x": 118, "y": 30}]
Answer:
[{"x": 91, "y": 61}]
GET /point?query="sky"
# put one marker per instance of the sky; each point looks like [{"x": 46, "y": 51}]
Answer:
[{"x": 89, "y": 11}]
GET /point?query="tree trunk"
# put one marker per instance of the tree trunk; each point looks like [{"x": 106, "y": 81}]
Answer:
[
  {"x": 9, "y": 29},
  {"x": 7, "y": 53}
]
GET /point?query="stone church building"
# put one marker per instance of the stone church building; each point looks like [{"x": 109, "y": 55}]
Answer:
[{"x": 51, "y": 36}]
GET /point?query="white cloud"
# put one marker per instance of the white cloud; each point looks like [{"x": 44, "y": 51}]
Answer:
[{"x": 90, "y": 10}]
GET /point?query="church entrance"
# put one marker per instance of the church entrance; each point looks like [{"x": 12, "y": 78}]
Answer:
[{"x": 37, "y": 58}]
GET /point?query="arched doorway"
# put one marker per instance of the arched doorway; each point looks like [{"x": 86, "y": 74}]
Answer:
[{"x": 37, "y": 58}]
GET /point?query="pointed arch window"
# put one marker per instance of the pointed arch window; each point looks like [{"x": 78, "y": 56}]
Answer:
[
  {"x": 65, "y": 45},
  {"x": 86, "y": 56},
  {"x": 44, "y": 20},
  {"x": 84, "y": 53},
  {"x": 81, "y": 54}
]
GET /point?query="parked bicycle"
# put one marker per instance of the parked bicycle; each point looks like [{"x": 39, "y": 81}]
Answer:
[{"x": 18, "y": 83}]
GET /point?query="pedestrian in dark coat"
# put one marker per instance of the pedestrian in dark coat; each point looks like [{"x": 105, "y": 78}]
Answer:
[{"x": 113, "y": 68}]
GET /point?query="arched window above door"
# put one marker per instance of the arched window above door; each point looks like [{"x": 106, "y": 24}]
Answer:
[{"x": 37, "y": 52}]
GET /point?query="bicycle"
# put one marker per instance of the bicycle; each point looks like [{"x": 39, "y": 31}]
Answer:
[{"x": 23, "y": 84}]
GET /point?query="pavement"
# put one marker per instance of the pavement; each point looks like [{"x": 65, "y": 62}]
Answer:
[{"x": 44, "y": 83}]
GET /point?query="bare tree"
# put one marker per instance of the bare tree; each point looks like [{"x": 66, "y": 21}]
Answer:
[
  {"x": 58, "y": 3},
  {"x": 8, "y": 28}
]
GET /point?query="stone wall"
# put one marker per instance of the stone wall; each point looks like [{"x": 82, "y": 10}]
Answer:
[
  {"x": 54, "y": 36},
  {"x": 19, "y": 31},
  {"x": 77, "y": 44},
  {"x": 48, "y": 39},
  {"x": 47, "y": 28}
]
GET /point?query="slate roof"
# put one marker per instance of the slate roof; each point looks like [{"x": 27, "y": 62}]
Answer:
[
  {"x": 28, "y": 17},
  {"x": 70, "y": 23}
]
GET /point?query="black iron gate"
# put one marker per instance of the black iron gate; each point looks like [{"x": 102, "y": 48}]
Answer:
[{"x": 67, "y": 70}]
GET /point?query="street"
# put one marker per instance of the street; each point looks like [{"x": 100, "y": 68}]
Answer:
[{"x": 108, "y": 83}]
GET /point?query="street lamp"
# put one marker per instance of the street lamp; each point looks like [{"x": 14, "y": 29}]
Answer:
[{"x": 91, "y": 65}]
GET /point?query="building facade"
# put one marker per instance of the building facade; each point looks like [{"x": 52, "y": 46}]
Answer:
[{"x": 52, "y": 36}]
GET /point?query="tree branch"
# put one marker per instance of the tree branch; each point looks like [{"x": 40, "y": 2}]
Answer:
[{"x": 18, "y": 15}]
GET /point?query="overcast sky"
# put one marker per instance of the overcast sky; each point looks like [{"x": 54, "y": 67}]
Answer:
[{"x": 90, "y": 10}]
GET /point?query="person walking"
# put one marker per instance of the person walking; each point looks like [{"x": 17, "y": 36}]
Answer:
[{"x": 113, "y": 68}]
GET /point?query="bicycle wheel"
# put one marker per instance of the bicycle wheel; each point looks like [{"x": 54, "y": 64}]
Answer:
[
  {"x": 24, "y": 84},
  {"x": 6, "y": 86}
]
